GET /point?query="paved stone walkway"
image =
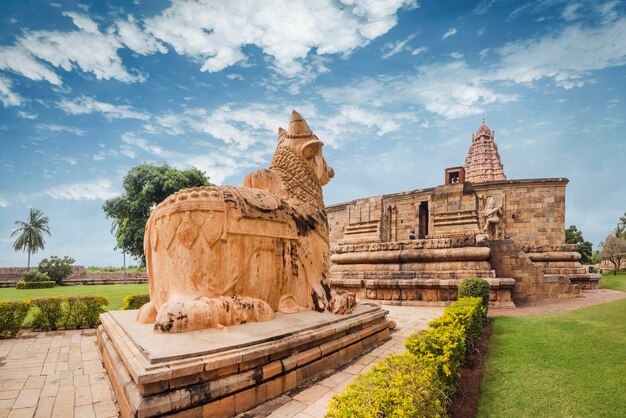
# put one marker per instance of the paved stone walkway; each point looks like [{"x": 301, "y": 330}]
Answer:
[
  {"x": 60, "y": 374},
  {"x": 54, "y": 374},
  {"x": 586, "y": 298}
]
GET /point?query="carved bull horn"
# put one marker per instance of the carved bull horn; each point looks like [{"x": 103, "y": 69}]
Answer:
[{"x": 298, "y": 128}]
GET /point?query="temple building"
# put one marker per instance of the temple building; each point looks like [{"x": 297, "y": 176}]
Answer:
[{"x": 418, "y": 245}]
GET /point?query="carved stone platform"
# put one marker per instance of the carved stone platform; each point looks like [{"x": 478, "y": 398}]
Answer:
[{"x": 223, "y": 373}]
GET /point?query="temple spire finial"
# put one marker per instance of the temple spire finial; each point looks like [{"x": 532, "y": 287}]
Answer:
[{"x": 483, "y": 118}]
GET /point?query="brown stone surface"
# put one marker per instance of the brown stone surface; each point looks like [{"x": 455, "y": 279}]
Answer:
[
  {"x": 156, "y": 373},
  {"x": 219, "y": 256}
]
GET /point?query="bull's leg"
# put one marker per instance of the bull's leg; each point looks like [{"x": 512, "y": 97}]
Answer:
[
  {"x": 147, "y": 314},
  {"x": 181, "y": 316}
]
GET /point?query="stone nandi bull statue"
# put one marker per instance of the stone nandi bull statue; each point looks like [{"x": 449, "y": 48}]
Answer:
[{"x": 225, "y": 255}]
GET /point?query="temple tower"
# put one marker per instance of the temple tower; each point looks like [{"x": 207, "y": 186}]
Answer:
[{"x": 482, "y": 163}]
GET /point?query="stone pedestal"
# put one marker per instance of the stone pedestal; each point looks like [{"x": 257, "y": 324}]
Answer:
[{"x": 222, "y": 373}]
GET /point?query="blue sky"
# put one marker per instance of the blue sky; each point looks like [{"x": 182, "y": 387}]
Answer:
[{"x": 394, "y": 88}]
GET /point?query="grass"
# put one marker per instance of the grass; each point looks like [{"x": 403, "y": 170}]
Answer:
[
  {"x": 617, "y": 282},
  {"x": 565, "y": 365},
  {"x": 113, "y": 292}
]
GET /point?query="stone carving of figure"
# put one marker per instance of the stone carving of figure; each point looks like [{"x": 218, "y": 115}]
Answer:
[
  {"x": 491, "y": 216},
  {"x": 220, "y": 256}
]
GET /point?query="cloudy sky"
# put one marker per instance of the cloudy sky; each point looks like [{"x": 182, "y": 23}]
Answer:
[{"x": 394, "y": 88}]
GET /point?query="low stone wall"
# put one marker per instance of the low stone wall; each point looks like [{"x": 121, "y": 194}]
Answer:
[{"x": 10, "y": 275}]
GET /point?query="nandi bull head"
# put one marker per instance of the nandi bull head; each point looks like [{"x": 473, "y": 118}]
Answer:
[{"x": 219, "y": 256}]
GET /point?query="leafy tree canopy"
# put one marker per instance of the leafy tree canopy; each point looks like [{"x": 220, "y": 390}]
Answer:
[
  {"x": 145, "y": 186},
  {"x": 30, "y": 233},
  {"x": 585, "y": 248},
  {"x": 620, "y": 230},
  {"x": 58, "y": 269}
]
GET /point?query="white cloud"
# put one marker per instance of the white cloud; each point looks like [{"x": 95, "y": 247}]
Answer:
[
  {"x": 450, "y": 90},
  {"x": 214, "y": 32},
  {"x": 570, "y": 12},
  {"x": 238, "y": 126},
  {"x": 419, "y": 50},
  {"x": 61, "y": 128},
  {"x": 136, "y": 38},
  {"x": 83, "y": 22},
  {"x": 456, "y": 55},
  {"x": 3, "y": 202},
  {"x": 85, "y": 105},
  {"x": 26, "y": 115},
  {"x": 99, "y": 189},
  {"x": 392, "y": 48},
  {"x": 449, "y": 33},
  {"x": 88, "y": 49},
  {"x": 7, "y": 97},
  {"x": 20, "y": 61},
  {"x": 565, "y": 57}
]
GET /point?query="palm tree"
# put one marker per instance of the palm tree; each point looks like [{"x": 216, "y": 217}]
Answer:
[{"x": 31, "y": 233}]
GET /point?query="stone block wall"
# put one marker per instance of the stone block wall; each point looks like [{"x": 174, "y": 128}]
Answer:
[
  {"x": 534, "y": 210},
  {"x": 10, "y": 275}
]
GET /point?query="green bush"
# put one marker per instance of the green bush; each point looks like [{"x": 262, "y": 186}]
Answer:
[
  {"x": 12, "y": 315},
  {"x": 92, "y": 307},
  {"x": 417, "y": 383},
  {"x": 48, "y": 313},
  {"x": 135, "y": 301},
  {"x": 402, "y": 385},
  {"x": 445, "y": 346},
  {"x": 35, "y": 276},
  {"x": 35, "y": 285},
  {"x": 475, "y": 287},
  {"x": 57, "y": 268}
]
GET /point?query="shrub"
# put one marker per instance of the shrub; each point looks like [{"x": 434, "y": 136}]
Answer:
[
  {"x": 92, "y": 307},
  {"x": 57, "y": 268},
  {"x": 445, "y": 346},
  {"x": 135, "y": 301},
  {"x": 417, "y": 383},
  {"x": 12, "y": 315},
  {"x": 35, "y": 285},
  {"x": 35, "y": 276},
  {"x": 402, "y": 385},
  {"x": 475, "y": 287},
  {"x": 48, "y": 314}
]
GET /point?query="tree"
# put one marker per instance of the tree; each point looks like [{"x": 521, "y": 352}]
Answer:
[
  {"x": 31, "y": 232},
  {"x": 145, "y": 186},
  {"x": 614, "y": 251},
  {"x": 58, "y": 269},
  {"x": 620, "y": 230},
  {"x": 585, "y": 248}
]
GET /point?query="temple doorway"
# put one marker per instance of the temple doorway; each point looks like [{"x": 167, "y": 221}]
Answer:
[{"x": 423, "y": 220}]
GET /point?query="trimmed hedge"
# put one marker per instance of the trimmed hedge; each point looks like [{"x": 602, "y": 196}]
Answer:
[
  {"x": 135, "y": 301},
  {"x": 52, "y": 313},
  {"x": 475, "y": 287},
  {"x": 400, "y": 385},
  {"x": 420, "y": 381},
  {"x": 35, "y": 285},
  {"x": 12, "y": 315},
  {"x": 35, "y": 276}
]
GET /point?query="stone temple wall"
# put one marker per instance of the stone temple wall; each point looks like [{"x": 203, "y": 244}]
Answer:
[{"x": 533, "y": 213}]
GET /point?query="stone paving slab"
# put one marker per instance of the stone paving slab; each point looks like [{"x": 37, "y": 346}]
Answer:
[{"x": 54, "y": 374}]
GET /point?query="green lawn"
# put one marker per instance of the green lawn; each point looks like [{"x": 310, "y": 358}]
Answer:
[
  {"x": 113, "y": 292},
  {"x": 617, "y": 282},
  {"x": 565, "y": 365}
]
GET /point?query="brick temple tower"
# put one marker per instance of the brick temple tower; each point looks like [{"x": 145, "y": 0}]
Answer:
[{"x": 482, "y": 163}]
